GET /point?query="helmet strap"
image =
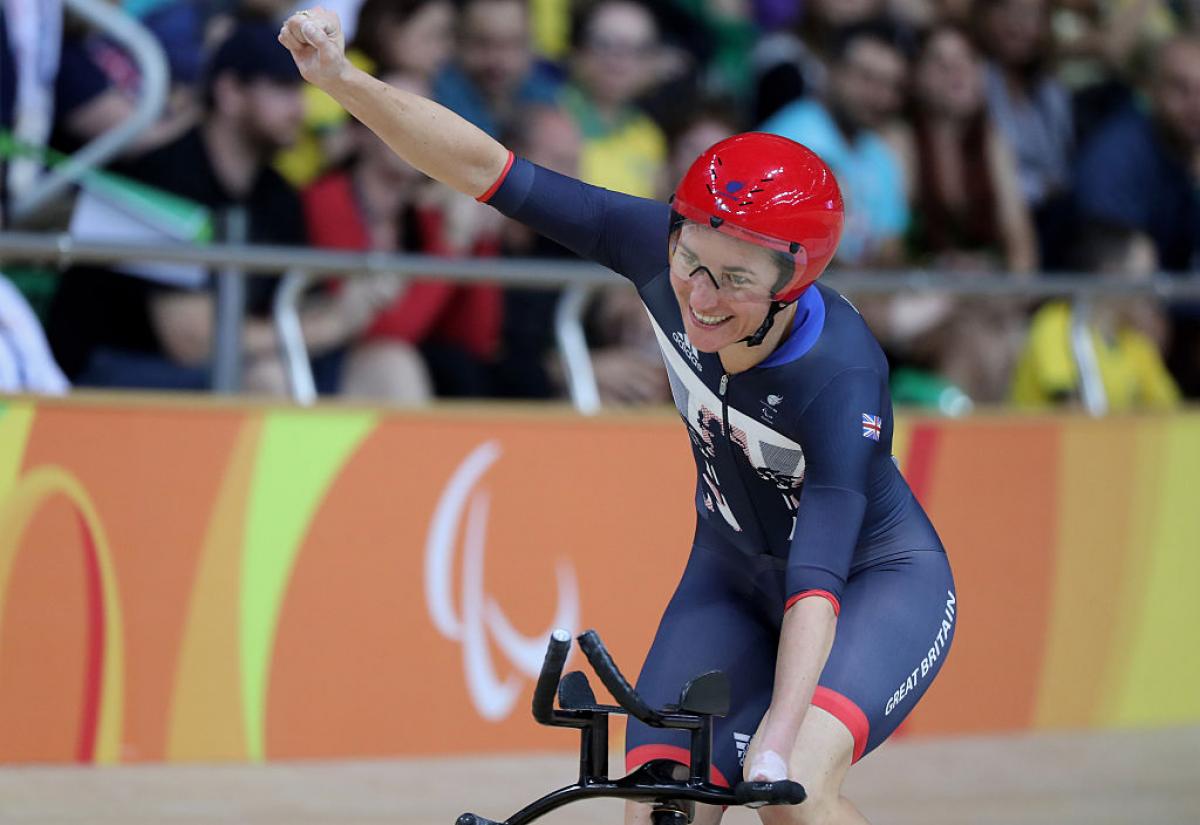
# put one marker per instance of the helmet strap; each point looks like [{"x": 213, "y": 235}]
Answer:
[{"x": 756, "y": 339}]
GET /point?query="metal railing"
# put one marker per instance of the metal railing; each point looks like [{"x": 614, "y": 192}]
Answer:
[
  {"x": 152, "y": 68},
  {"x": 301, "y": 265}
]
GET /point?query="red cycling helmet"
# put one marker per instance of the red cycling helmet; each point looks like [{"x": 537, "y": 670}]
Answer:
[{"x": 770, "y": 191}]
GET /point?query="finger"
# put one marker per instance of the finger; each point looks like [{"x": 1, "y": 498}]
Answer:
[
  {"x": 289, "y": 40},
  {"x": 311, "y": 32},
  {"x": 293, "y": 24}
]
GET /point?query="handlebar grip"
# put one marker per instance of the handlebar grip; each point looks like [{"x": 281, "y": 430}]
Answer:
[
  {"x": 547, "y": 683},
  {"x": 769, "y": 793},
  {"x": 613, "y": 679},
  {"x": 474, "y": 819}
]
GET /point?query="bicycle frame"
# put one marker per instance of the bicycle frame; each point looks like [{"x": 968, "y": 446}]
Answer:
[{"x": 702, "y": 699}]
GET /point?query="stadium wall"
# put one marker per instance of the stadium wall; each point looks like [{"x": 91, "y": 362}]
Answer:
[{"x": 193, "y": 581}]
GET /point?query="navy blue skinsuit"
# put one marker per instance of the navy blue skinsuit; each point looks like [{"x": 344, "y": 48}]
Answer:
[{"x": 797, "y": 495}]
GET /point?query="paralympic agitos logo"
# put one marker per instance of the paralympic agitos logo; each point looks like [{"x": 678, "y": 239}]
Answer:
[{"x": 479, "y": 615}]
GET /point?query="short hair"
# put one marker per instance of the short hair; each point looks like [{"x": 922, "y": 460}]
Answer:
[
  {"x": 250, "y": 51},
  {"x": 705, "y": 109},
  {"x": 586, "y": 13},
  {"x": 878, "y": 29}
]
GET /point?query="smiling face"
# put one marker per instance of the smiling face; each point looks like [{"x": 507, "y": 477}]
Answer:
[{"x": 721, "y": 309}]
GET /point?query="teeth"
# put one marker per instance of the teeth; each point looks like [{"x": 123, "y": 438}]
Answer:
[{"x": 709, "y": 319}]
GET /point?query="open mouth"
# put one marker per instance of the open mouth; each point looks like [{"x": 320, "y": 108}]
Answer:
[{"x": 708, "y": 320}]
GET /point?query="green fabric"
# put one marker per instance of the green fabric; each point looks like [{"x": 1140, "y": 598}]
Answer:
[
  {"x": 733, "y": 38},
  {"x": 36, "y": 284},
  {"x": 591, "y": 124},
  {"x": 180, "y": 218},
  {"x": 920, "y": 388}
]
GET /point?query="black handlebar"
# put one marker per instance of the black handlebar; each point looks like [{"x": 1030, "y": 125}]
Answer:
[
  {"x": 547, "y": 683},
  {"x": 769, "y": 793},
  {"x": 615, "y": 681},
  {"x": 701, "y": 700},
  {"x": 475, "y": 819}
]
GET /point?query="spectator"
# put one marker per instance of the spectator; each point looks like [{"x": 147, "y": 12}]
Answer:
[
  {"x": 1142, "y": 171},
  {"x": 1098, "y": 43},
  {"x": 410, "y": 36},
  {"x": 967, "y": 213},
  {"x": 1032, "y": 109},
  {"x": 113, "y": 329},
  {"x": 97, "y": 88},
  {"x": 495, "y": 74},
  {"x": 627, "y": 371},
  {"x": 436, "y": 334},
  {"x": 623, "y": 149},
  {"x": 615, "y": 47},
  {"x": 724, "y": 33},
  {"x": 708, "y": 123},
  {"x": 866, "y": 82},
  {"x": 1129, "y": 364},
  {"x": 794, "y": 62},
  {"x": 968, "y": 216}
]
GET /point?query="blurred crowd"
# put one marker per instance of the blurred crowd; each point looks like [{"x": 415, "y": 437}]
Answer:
[{"x": 975, "y": 137}]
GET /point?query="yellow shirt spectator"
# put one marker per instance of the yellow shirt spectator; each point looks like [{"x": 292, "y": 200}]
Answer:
[
  {"x": 625, "y": 156},
  {"x": 1131, "y": 369}
]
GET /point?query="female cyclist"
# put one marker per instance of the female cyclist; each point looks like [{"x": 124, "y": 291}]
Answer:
[{"x": 805, "y": 524}]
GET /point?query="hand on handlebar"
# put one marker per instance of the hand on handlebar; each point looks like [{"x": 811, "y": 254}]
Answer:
[{"x": 766, "y": 766}]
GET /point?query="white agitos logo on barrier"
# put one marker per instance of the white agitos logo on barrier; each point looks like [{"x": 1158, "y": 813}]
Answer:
[{"x": 481, "y": 615}]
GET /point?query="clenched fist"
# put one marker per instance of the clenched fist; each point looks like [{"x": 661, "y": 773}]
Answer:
[{"x": 314, "y": 37}]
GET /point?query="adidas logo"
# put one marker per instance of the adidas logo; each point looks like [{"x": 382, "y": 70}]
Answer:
[
  {"x": 742, "y": 741},
  {"x": 693, "y": 354}
]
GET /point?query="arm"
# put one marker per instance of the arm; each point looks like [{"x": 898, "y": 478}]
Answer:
[
  {"x": 832, "y": 505},
  {"x": 624, "y": 233},
  {"x": 804, "y": 644},
  {"x": 1016, "y": 227},
  {"x": 183, "y": 321},
  {"x": 426, "y": 135},
  {"x": 111, "y": 108}
]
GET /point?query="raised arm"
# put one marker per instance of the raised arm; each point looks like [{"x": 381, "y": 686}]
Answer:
[
  {"x": 425, "y": 134},
  {"x": 624, "y": 233}
]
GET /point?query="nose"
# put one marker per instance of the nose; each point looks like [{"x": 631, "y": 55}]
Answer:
[{"x": 704, "y": 294}]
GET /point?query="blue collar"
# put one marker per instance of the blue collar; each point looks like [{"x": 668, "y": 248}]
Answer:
[{"x": 807, "y": 324}]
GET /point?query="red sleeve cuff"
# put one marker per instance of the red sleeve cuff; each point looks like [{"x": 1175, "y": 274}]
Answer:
[
  {"x": 487, "y": 196},
  {"x": 824, "y": 594}
]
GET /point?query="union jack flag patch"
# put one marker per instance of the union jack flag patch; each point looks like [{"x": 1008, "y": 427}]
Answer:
[{"x": 872, "y": 426}]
